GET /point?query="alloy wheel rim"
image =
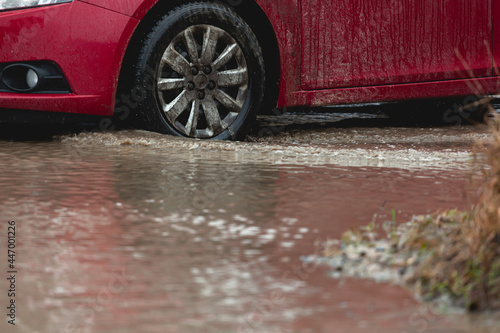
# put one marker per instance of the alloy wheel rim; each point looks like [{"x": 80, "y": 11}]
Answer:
[{"x": 202, "y": 81}]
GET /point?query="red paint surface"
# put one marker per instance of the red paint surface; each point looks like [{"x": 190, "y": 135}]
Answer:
[
  {"x": 134, "y": 8},
  {"x": 89, "y": 52},
  {"x": 352, "y": 43},
  {"x": 351, "y": 51},
  {"x": 496, "y": 38}
]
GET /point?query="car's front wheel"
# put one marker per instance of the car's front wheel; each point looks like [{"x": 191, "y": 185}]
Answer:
[{"x": 203, "y": 73}]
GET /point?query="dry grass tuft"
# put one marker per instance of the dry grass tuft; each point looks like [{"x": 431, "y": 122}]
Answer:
[
  {"x": 463, "y": 249},
  {"x": 457, "y": 254}
]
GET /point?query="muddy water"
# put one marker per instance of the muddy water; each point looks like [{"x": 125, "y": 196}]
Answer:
[{"x": 136, "y": 232}]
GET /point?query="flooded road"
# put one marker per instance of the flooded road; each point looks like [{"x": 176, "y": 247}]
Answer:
[{"x": 133, "y": 231}]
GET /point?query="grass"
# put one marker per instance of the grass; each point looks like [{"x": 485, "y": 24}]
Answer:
[
  {"x": 458, "y": 253},
  {"x": 462, "y": 249}
]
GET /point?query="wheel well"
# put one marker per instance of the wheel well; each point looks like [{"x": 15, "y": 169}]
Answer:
[
  {"x": 258, "y": 21},
  {"x": 249, "y": 10}
]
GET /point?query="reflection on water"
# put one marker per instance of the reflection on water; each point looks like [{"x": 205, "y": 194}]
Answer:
[{"x": 140, "y": 239}]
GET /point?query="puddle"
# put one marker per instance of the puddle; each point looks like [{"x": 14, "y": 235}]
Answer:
[{"x": 133, "y": 231}]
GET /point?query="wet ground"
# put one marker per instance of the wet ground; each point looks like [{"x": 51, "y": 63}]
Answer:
[{"x": 132, "y": 231}]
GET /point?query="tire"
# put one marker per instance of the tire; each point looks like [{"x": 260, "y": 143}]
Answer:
[{"x": 203, "y": 74}]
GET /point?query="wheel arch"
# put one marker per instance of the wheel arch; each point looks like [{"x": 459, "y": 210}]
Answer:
[
  {"x": 249, "y": 10},
  {"x": 262, "y": 27}
]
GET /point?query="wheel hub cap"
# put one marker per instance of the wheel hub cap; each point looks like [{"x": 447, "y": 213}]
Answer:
[{"x": 201, "y": 81}]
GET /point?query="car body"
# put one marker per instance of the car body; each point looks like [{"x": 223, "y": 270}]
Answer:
[{"x": 315, "y": 52}]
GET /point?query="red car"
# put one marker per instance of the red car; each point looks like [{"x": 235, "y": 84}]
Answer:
[{"x": 204, "y": 69}]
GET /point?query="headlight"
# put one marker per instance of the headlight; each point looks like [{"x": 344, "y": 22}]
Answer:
[{"x": 13, "y": 4}]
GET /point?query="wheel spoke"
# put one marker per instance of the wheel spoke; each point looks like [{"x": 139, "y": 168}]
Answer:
[
  {"x": 170, "y": 84},
  {"x": 212, "y": 115},
  {"x": 191, "y": 45},
  {"x": 227, "y": 101},
  {"x": 176, "y": 61},
  {"x": 174, "y": 109},
  {"x": 209, "y": 43},
  {"x": 225, "y": 56},
  {"x": 232, "y": 77},
  {"x": 192, "y": 123},
  {"x": 210, "y": 93}
]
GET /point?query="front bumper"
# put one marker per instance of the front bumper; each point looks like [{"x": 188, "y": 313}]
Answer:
[{"x": 86, "y": 42}]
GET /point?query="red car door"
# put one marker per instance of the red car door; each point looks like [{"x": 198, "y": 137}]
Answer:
[
  {"x": 349, "y": 43},
  {"x": 496, "y": 39}
]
